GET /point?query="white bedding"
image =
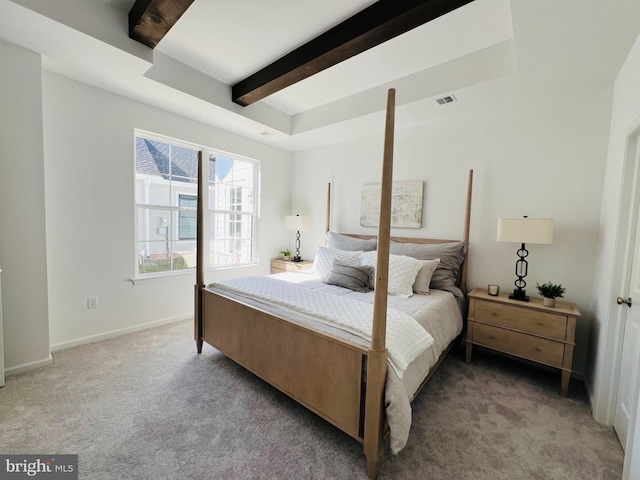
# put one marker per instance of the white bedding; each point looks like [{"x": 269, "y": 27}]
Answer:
[{"x": 437, "y": 313}]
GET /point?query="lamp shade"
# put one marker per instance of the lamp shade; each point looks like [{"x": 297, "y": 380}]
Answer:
[
  {"x": 525, "y": 230},
  {"x": 297, "y": 222}
]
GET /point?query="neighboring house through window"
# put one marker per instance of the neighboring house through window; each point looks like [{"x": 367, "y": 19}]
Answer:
[
  {"x": 235, "y": 205},
  {"x": 166, "y": 202},
  {"x": 187, "y": 218}
]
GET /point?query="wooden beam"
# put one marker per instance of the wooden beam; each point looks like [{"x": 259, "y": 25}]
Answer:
[
  {"x": 150, "y": 20},
  {"x": 372, "y": 26}
]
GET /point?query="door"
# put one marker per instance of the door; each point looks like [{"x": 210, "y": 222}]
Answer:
[
  {"x": 628, "y": 384},
  {"x": 629, "y": 365}
]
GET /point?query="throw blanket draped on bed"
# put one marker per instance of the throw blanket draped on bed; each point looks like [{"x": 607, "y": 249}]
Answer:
[{"x": 406, "y": 339}]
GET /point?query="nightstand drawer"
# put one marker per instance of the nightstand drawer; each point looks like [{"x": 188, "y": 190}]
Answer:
[
  {"x": 530, "y": 321},
  {"x": 279, "y": 266},
  {"x": 533, "y": 348}
]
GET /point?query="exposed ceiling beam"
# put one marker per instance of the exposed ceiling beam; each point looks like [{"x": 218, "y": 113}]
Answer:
[
  {"x": 372, "y": 26},
  {"x": 150, "y": 20}
]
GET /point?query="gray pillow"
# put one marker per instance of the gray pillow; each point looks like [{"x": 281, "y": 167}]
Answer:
[
  {"x": 349, "y": 276},
  {"x": 345, "y": 242},
  {"x": 423, "y": 279},
  {"x": 450, "y": 254}
]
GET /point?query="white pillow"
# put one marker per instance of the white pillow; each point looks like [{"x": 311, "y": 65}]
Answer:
[
  {"x": 423, "y": 279},
  {"x": 402, "y": 272},
  {"x": 326, "y": 255}
]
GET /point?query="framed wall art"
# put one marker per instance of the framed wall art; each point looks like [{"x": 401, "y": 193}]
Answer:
[{"x": 406, "y": 204}]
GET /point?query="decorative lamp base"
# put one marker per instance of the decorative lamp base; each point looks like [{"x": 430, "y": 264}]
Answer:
[
  {"x": 519, "y": 294},
  {"x": 297, "y": 257}
]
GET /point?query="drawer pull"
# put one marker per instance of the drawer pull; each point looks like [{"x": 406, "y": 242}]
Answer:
[
  {"x": 537, "y": 349},
  {"x": 540, "y": 324},
  {"x": 493, "y": 313},
  {"x": 492, "y": 337}
]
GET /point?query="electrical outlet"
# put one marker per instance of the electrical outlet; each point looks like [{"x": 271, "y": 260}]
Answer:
[{"x": 92, "y": 302}]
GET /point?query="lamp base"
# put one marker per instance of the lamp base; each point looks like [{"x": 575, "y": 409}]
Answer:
[
  {"x": 519, "y": 294},
  {"x": 297, "y": 258}
]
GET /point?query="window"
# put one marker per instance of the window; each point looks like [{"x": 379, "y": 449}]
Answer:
[
  {"x": 231, "y": 209},
  {"x": 166, "y": 203}
]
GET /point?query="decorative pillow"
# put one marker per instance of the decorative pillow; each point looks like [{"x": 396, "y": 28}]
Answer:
[
  {"x": 326, "y": 255},
  {"x": 345, "y": 242},
  {"x": 450, "y": 254},
  {"x": 423, "y": 279},
  {"x": 402, "y": 272},
  {"x": 348, "y": 276}
]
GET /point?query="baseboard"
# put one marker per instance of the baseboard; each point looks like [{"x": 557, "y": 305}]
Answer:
[
  {"x": 117, "y": 333},
  {"x": 25, "y": 367}
]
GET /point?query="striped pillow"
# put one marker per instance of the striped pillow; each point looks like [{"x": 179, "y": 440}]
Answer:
[{"x": 354, "y": 278}]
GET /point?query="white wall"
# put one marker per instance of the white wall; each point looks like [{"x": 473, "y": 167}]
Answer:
[
  {"x": 89, "y": 176},
  {"x": 22, "y": 211},
  {"x": 607, "y": 327},
  {"x": 535, "y": 154}
]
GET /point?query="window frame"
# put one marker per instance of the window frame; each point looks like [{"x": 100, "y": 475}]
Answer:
[{"x": 207, "y": 154}]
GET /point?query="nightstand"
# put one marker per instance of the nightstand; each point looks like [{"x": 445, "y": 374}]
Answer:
[
  {"x": 279, "y": 265},
  {"x": 529, "y": 330}
]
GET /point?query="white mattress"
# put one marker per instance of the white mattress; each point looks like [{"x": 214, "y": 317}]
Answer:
[{"x": 438, "y": 313}]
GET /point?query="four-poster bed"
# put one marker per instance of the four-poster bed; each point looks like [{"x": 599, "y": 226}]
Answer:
[{"x": 339, "y": 379}]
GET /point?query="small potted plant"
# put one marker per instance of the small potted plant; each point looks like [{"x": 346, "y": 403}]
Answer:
[
  {"x": 550, "y": 292},
  {"x": 286, "y": 254}
]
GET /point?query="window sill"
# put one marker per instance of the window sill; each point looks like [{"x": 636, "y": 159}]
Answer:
[
  {"x": 162, "y": 277},
  {"x": 172, "y": 276}
]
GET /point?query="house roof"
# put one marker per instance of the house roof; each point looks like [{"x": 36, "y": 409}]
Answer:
[{"x": 157, "y": 158}]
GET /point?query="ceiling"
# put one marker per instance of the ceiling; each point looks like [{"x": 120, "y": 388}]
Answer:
[{"x": 482, "y": 47}]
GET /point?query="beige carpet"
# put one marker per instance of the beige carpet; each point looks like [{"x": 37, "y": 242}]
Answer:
[{"x": 146, "y": 406}]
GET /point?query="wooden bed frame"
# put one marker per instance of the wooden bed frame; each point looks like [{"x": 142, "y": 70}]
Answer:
[{"x": 340, "y": 381}]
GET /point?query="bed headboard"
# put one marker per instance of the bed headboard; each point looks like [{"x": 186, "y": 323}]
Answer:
[{"x": 462, "y": 278}]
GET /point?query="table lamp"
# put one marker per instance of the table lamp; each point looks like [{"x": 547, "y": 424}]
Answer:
[
  {"x": 297, "y": 222},
  {"x": 524, "y": 230}
]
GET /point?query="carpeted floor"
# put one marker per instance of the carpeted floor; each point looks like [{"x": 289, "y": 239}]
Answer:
[{"x": 146, "y": 406}]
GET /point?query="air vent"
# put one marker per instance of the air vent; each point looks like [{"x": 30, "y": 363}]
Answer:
[{"x": 446, "y": 99}]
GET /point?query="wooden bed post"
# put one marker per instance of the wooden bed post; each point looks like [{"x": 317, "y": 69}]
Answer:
[
  {"x": 197, "y": 310},
  {"x": 467, "y": 226},
  {"x": 328, "y": 225},
  {"x": 377, "y": 356}
]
